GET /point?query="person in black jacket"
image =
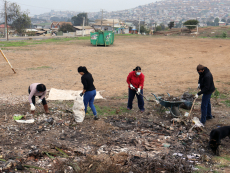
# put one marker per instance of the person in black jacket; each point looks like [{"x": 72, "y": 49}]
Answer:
[
  {"x": 89, "y": 90},
  {"x": 207, "y": 87}
]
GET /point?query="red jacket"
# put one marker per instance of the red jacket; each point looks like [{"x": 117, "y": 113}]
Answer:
[{"x": 136, "y": 81}]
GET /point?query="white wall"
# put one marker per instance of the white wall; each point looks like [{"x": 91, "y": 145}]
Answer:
[{"x": 86, "y": 32}]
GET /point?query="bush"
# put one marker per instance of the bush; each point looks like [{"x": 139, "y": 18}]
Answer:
[{"x": 224, "y": 35}]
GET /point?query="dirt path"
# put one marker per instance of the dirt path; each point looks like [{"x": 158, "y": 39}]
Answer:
[{"x": 168, "y": 63}]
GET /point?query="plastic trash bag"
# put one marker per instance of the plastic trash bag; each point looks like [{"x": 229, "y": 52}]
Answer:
[{"x": 79, "y": 109}]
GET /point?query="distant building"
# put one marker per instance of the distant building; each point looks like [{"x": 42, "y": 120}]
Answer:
[
  {"x": 59, "y": 24},
  {"x": 87, "y": 30},
  {"x": 2, "y": 28},
  {"x": 222, "y": 23}
]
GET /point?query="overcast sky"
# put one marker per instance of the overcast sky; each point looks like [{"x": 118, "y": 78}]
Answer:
[{"x": 42, "y": 6}]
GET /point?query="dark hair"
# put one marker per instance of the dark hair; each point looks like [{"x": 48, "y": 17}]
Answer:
[
  {"x": 82, "y": 69},
  {"x": 41, "y": 87},
  {"x": 200, "y": 67},
  {"x": 137, "y": 68}
]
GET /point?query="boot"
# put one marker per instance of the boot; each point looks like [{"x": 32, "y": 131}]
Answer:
[
  {"x": 46, "y": 109},
  {"x": 32, "y": 112}
]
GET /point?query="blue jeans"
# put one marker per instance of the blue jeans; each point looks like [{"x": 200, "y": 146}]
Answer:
[
  {"x": 140, "y": 100},
  {"x": 89, "y": 98},
  {"x": 205, "y": 108}
]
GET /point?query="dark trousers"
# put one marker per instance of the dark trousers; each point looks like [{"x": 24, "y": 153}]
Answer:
[
  {"x": 33, "y": 98},
  {"x": 140, "y": 99},
  {"x": 205, "y": 108}
]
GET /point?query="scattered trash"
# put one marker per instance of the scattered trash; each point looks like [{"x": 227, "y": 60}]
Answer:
[
  {"x": 50, "y": 121},
  {"x": 186, "y": 114},
  {"x": 17, "y": 116},
  {"x": 25, "y": 121},
  {"x": 177, "y": 154},
  {"x": 166, "y": 145},
  {"x": 197, "y": 122}
]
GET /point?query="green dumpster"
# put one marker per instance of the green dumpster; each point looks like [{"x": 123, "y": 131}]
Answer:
[{"x": 104, "y": 38}]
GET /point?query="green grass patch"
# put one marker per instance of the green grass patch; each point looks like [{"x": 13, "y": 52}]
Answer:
[
  {"x": 83, "y": 38},
  {"x": 40, "y": 68},
  {"x": 34, "y": 42},
  {"x": 120, "y": 97},
  {"x": 106, "y": 111},
  {"x": 226, "y": 102},
  {"x": 201, "y": 169}
]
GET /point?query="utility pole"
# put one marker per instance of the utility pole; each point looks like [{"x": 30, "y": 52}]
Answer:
[
  {"x": 139, "y": 26},
  {"x": 83, "y": 27},
  {"x": 6, "y": 28},
  {"x": 101, "y": 19}
]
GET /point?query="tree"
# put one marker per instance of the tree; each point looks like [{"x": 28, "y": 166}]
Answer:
[
  {"x": 223, "y": 20},
  {"x": 210, "y": 23},
  {"x": 66, "y": 28},
  {"x": 21, "y": 23},
  {"x": 158, "y": 28},
  {"x": 78, "y": 20},
  {"x": 228, "y": 21},
  {"x": 191, "y": 22},
  {"x": 13, "y": 10},
  {"x": 171, "y": 25},
  {"x": 142, "y": 29},
  {"x": 162, "y": 26},
  {"x": 216, "y": 21}
]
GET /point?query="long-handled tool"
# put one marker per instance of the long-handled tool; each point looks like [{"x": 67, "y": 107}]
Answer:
[
  {"x": 192, "y": 107},
  {"x": 140, "y": 93},
  {"x": 7, "y": 61}
]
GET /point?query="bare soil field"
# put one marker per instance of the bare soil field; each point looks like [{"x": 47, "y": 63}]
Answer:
[
  {"x": 122, "y": 140},
  {"x": 168, "y": 63}
]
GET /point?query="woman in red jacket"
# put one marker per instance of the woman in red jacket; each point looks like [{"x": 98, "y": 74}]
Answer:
[{"x": 135, "y": 82}]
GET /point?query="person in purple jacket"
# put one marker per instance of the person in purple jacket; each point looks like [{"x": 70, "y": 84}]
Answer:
[{"x": 37, "y": 89}]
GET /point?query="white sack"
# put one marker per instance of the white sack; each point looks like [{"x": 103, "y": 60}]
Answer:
[
  {"x": 79, "y": 109},
  {"x": 57, "y": 94}
]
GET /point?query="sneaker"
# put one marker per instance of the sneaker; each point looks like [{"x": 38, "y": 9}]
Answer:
[
  {"x": 142, "y": 111},
  {"x": 95, "y": 117},
  {"x": 209, "y": 118}
]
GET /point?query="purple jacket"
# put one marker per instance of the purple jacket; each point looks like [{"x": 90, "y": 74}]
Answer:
[{"x": 34, "y": 92}]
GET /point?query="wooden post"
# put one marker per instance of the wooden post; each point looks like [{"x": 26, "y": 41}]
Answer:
[
  {"x": 196, "y": 30},
  {"x": 7, "y": 61}
]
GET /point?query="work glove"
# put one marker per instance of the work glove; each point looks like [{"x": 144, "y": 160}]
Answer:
[
  {"x": 196, "y": 96},
  {"x": 198, "y": 87},
  {"x": 39, "y": 101},
  {"x": 32, "y": 107},
  {"x": 132, "y": 87},
  {"x": 138, "y": 91},
  {"x": 81, "y": 94}
]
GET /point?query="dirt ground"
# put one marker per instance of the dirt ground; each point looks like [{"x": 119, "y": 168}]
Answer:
[
  {"x": 168, "y": 63},
  {"x": 121, "y": 141}
]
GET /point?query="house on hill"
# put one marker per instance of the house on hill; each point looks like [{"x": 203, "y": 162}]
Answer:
[
  {"x": 87, "y": 30},
  {"x": 59, "y": 24},
  {"x": 2, "y": 28},
  {"x": 222, "y": 23}
]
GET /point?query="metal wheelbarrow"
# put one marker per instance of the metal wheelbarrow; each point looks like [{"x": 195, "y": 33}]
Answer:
[{"x": 173, "y": 106}]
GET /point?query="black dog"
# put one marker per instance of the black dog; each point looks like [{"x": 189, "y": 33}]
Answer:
[{"x": 216, "y": 135}]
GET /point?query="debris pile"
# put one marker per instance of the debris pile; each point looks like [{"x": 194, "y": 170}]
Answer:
[{"x": 119, "y": 143}]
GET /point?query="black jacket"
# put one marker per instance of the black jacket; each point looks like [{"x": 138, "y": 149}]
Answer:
[
  {"x": 206, "y": 82},
  {"x": 87, "y": 81}
]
